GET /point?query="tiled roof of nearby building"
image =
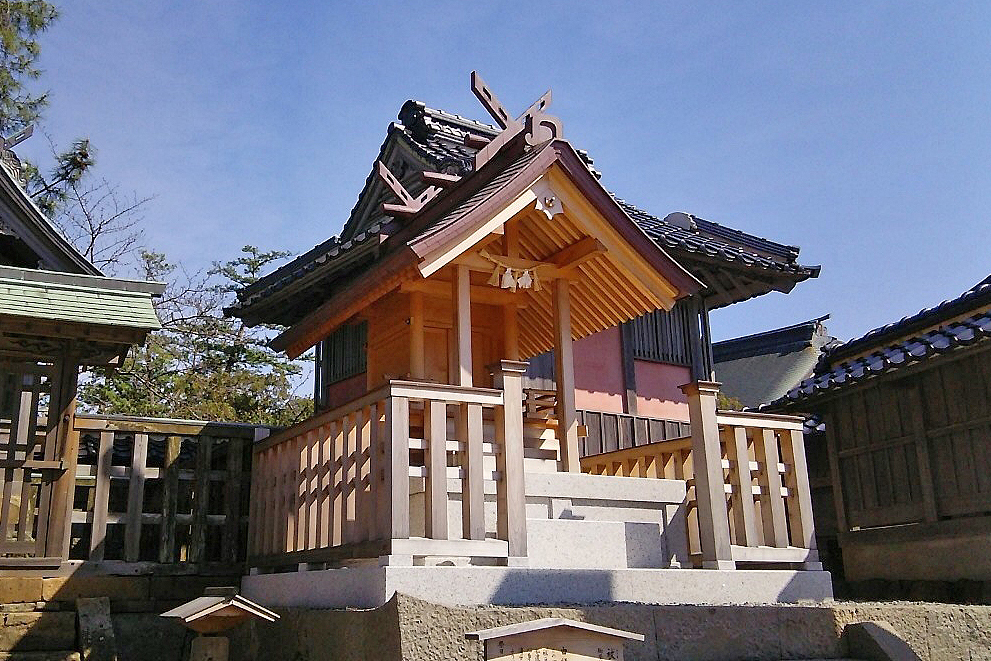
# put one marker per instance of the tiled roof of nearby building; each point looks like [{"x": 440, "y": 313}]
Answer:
[
  {"x": 979, "y": 294},
  {"x": 947, "y": 327},
  {"x": 762, "y": 367},
  {"x": 438, "y": 137},
  {"x": 720, "y": 242}
]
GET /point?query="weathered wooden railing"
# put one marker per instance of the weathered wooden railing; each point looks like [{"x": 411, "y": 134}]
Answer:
[
  {"x": 161, "y": 491},
  {"x": 340, "y": 485},
  {"x": 767, "y": 505}
]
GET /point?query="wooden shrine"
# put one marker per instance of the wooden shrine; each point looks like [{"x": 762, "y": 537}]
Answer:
[{"x": 440, "y": 458}]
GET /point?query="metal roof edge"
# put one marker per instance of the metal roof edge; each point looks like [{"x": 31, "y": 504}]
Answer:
[{"x": 85, "y": 281}]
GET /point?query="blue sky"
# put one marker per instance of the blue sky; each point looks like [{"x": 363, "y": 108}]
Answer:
[{"x": 857, "y": 130}]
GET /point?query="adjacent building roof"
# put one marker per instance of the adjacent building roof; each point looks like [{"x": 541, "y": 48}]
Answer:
[
  {"x": 732, "y": 264},
  {"x": 951, "y": 326},
  {"x": 28, "y": 238},
  {"x": 763, "y": 367},
  {"x": 91, "y": 300}
]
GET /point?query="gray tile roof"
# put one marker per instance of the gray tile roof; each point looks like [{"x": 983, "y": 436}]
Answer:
[
  {"x": 717, "y": 241},
  {"x": 977, "y": 295},
  {"x": 438, "y": 137},
  {"x": 884, "y": 350},
  {"x": 763, "y": 367}
]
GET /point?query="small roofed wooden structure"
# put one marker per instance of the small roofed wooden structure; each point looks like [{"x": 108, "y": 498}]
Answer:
[
  {"x": 57, "y": 314},
  {"x": 219, "y": 609},
  {"x": 553, "y": 638}
]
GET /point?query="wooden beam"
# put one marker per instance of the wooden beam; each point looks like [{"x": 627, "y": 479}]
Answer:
[
  {"x": 479, "y": 294},
  {"x": 578, "y": 252},
  {"x": 547, "y": 270},
  {"x": 440, "y": 179},
  {"x": 398, "y": 210},
  {"x": 74, "y": 330}
]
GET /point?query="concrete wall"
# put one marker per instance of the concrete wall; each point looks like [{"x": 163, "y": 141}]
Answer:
[{"x": 413, "y": 630}]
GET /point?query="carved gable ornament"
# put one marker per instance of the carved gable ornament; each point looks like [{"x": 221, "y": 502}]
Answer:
[{"x": 536, "y": 125}]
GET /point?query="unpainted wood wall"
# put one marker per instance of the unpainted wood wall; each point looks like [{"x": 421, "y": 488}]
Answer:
[{"x": 917, "y": 448}]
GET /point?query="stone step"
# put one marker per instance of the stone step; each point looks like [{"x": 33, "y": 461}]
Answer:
[{"x": 60, "y": 655}]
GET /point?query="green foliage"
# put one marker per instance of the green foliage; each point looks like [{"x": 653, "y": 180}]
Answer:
[
  {"x": 21, "y": 22},
  {"x": 725, "y": 402},
  {"x": 203, "y": 365}
]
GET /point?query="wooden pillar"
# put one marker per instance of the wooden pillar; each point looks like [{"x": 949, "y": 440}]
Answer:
[
  {"x": 469, "y": 415},
  {"x": 710, "y": 493},
  {"x": 435, "y": 491},
  {"x": 62, "y": 413},
  {"x": 417, "y": 361},
  {"x": 507, "y": 375},
  {"x": 511, "y": 333},
  {"x": 511, "y": 339},
  {"x": 462, "y": 325},
  {"x": 699, "y": 341},
  {"x": 393, "y": 507},
  {"x": 832, "y": 451},
  {"x": 926, "y": 483},
  {"x": 564, "y": 365},
  {"x": 626, "y": 341}
]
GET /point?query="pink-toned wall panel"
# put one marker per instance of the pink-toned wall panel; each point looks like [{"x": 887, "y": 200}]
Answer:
[
  {"x": 599, "y": 380},
  {"x": 658, "y": 395}
]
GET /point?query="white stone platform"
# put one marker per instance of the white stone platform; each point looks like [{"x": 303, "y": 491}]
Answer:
[
  {"x": 369, "y": 586},
  {"x": 590, "y": 539}
]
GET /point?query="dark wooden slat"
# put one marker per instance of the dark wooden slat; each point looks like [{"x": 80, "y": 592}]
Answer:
[
  {"x": 101, "y": 500},
  {"x": 135, "y": 498},
  {"x": 201, "y": 498},
  {"x": 170, "y": 495},
  {"x": 230, "y": 542}
]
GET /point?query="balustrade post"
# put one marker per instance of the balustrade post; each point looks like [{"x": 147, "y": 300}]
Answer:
[
  {"x": 710, "y": 492},
  {"x": 800, "y": 495},
  {"x": 394, "y": 512},
  {"x": 510, "y": 490}
]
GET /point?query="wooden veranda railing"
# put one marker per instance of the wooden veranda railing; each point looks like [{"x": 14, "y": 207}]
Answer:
[
  {"x": 764, "y": 478},
  {"x": 161, "y": 491},
  {"x": 345, "y": 484}
]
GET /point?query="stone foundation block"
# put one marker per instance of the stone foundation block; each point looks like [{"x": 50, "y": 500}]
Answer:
[
  {"x": 184, "y": 588},
  {"x": 116, "y": 588},
  {"x": 19, "y": 590},
  {"x": 26, "y": 632}
]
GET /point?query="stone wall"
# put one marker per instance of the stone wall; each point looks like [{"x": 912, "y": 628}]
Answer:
[
  {"x": 413, "y": 630},
  {"x": 39, "y": 613}
]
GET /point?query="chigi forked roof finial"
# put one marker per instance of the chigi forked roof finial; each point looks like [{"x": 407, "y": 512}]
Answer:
[{"x": 539, "y": 127}]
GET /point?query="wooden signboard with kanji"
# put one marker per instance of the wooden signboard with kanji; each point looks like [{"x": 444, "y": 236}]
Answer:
[{"x": 553, "y": 639}]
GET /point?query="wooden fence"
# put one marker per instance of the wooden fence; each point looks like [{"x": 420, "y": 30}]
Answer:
[
  {"x": 339, "y": 485},
  {"x": 765, "y": 478},
  {"x": 161, "y": 491}
]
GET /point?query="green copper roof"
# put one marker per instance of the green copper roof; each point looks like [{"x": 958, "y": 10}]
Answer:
[{"x": 82, "y": 299}]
